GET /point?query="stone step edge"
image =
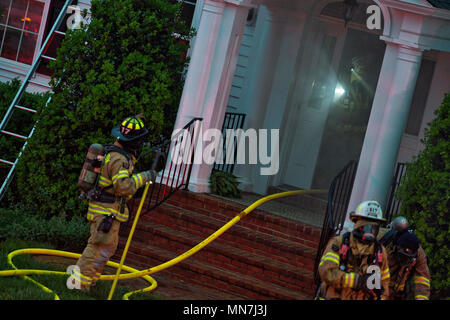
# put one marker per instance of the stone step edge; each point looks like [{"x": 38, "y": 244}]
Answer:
[
  {"x": 303, "y": 234},
  {"x": 216, "y": 273},
  {"x": 196, "y": 223},
  {"x": 182, "y": 242}
]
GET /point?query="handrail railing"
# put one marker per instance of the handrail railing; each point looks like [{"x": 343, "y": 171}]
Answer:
[
  {"x": 338, "y": 199},
  {"x": 178, "y": 172},
  {"x": 234, "y": 121},
  {"x": 393, "y": 206}
]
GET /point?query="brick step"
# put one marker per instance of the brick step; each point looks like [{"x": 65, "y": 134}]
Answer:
[
  {"x": 222, "y": 254},
  {"x": 237, "y": 236},
  {"x": 199, "y": 272},
  {"x": 264, "y": 221}
]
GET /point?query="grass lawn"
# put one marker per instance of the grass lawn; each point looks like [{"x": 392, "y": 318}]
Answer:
[{"x": 18, "y": 288}]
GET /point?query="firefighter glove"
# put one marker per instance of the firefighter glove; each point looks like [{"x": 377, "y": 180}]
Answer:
[{"x": 150, "y": 175}]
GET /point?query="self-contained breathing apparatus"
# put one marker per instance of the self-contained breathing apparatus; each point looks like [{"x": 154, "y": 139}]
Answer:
[
  {"x": 376, "y": 258},
  {"x": 89, "y": 179}
]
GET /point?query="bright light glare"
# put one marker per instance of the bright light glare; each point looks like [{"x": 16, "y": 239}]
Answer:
[{"x": 339, "y": 91}]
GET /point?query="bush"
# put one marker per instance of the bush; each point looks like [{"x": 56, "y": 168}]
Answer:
[
  {"x": 224, "y": 184},
  {"x": 69, "y": 234},
  {"x": 425, "y": 195},
  {"x": 126, "y": 61}
]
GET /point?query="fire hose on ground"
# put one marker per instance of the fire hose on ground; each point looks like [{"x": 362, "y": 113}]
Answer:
[{"x": 131, "y": 272}]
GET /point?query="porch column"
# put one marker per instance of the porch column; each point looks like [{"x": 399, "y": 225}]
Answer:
[
  {"x": 210, "y": 72},
  {"x": 386, "y": 125}
]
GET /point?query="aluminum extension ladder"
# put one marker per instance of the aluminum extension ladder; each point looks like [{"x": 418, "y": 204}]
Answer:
[{"x": 14, "y": 104}]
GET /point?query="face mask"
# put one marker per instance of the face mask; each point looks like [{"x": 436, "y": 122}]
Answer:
[
  {"x": 403, "y": 259},
  {"x": 366, "y": 234}
]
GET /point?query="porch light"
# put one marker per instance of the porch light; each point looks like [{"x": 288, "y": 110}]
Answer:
[
  {"x": 349, "y": 10},
  {"x": 338, "y": 91}
]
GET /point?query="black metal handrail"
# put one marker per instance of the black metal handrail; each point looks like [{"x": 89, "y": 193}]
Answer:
[
  {"x": 393, "y": 206},
  {"x": 233, "y": 121},
  {"x": 173, "y": 181},
  {"x": 338, "y": 199}
]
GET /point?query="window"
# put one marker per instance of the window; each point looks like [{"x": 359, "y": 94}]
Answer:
[
  {"x": 187, "y": 10},
  {"x": 20, "y": 23}
]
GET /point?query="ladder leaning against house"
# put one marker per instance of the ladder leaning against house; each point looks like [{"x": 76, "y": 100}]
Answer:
[{"x": 15, "y": 103}]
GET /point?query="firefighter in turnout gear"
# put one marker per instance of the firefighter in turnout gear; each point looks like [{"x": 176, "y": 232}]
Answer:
[
  {"x": 354, "y": 265},
  {"x": 107, "y": 206},
  {"x": 407, "y": 261}
]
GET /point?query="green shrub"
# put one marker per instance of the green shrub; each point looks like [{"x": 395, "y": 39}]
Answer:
[
  {"x": 126, "y": 61},
  {"x": 69, "y": 234},
  {"x": 224, "y": 184},
  {"x": 425, "y": 195}
]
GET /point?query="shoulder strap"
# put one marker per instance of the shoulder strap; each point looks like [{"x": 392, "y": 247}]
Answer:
[
  {"x": 378, "y": 253},
  {"x": 345, "y": 251},
  {"x": 110, "y": 148}
]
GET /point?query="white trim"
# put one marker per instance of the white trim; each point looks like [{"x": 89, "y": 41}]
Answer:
[
  {"x": 41, "y": 27},
  {"x": 19, "y": 68}
]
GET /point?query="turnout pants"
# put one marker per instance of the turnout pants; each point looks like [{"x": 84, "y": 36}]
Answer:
[{"x": 100, "y": 248}]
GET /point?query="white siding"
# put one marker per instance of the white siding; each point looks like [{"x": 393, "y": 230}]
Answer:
[{"x": 241, "y": 72}]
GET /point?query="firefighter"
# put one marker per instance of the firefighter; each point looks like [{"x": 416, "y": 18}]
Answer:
[
  {"x": 116, "y": 184},
  {"x": 354, "y": 265},
  {"x": 407, "y": 260}
]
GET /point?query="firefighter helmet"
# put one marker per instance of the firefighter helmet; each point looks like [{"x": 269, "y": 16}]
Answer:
[
  {"x": 132, "y": 128},
  {"x": 370, "y": 210},
  {"x": 400, "y": 223},
  {"x": 408, "y": 244}
]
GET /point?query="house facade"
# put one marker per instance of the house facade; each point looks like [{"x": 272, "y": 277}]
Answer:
[
  {"x": 336, "y": 89},
  {"x": 339, "y": 80}
]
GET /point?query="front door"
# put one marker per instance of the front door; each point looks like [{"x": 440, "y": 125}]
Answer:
[{"x": 316, "y": 85}]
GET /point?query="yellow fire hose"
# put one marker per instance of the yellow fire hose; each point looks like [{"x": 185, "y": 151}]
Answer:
[{"x": 133, "y": 273}]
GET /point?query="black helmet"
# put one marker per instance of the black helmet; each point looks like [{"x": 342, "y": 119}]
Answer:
[
  {"x": 131, "y": 133},
  {"x": 132, "y": 128},
  {"x": 408, "y": 244}
]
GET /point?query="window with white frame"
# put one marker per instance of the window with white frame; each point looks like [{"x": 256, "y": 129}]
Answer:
[{"x": 20, "y": 25}]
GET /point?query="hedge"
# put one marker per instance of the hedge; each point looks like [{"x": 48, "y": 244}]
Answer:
[{"x": 425, "y": 196}]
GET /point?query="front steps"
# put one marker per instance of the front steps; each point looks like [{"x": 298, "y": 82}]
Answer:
[{"x": 261, "y": 257}]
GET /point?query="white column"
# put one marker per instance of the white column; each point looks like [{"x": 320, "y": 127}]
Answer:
[
  {"x": 211, "y": 69},
  {"x": 197, "y": 77},
  {"x": 386, "y": 125}
]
